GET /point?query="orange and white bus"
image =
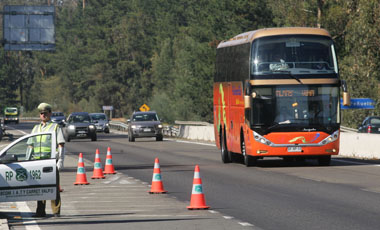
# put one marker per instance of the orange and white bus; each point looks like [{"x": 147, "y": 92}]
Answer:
[{"x": 277, "y": 94}]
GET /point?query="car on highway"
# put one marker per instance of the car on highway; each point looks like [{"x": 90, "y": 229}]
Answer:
[
  {"x": 80, "y": 125},
  {"x": 101, "y": 122},
  {"x": 58, "y": 117},
  {"x": 370, "y": 124},
  {"x": 144, "y": 124}
]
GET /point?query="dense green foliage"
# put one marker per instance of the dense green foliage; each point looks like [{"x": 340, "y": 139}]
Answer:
[{"x": 162, "y": 52}]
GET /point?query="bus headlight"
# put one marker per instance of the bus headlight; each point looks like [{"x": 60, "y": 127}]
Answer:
[
  {"x": 261, "y": 139},
  {"x": 333, "y": 137}
]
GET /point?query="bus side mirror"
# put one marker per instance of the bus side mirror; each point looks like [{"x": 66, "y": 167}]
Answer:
[
  {"x": 247, "y": 101},
  {"x": 247, "y": 96},
  {"x": 346, "y": 95},
  {"x": 346, "y": 99}
]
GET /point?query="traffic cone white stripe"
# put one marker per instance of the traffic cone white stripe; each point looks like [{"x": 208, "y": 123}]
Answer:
[
  {"x": 97, "y": 165},
  {"x": 197, "y": 189},
  {"x": 156, "y": 177},
  {"x": 197, "y": 175},
  {"x": 81, "y": 170}
]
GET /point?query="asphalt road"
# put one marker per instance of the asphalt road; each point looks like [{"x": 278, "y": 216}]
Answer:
[{"x": 273, "y": 195}]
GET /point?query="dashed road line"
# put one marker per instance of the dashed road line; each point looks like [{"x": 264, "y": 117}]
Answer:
[{"x": 246, "y": 224}]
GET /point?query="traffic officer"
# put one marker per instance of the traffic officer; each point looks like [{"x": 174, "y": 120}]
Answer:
[{"x": 43, "y": 151}]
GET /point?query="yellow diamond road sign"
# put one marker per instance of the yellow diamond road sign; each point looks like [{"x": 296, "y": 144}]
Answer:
[{"x": 144, "y": 108}]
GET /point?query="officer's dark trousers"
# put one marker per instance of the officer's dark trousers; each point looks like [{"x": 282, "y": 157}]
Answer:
[{"x": 55, "y": 204}]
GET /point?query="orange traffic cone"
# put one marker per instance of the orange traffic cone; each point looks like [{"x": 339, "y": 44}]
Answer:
[
  {"x": 98, "y": 171},
  {"x": 108, "y": 168},
  {"x": 157, "y": 186},
  {"x": 81, "y": 173},
  {"x": 197, "y": 200}
]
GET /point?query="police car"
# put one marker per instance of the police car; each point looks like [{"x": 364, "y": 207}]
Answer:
[{"x": 23, "y": 175}]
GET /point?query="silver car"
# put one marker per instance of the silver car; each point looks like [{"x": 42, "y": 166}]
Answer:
[
  {"x": 79, "y": 125},
  {"x": 101, "y": 122},
  {"x": 144, "y": 124}
]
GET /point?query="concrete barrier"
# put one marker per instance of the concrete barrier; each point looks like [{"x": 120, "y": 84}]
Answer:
[
  {"x": 201, "y": 133},
  {"x": 360, "y": 145}
]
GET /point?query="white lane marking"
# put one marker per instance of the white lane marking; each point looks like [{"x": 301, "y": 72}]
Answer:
[
  {"x": 213, "y": 211},
  {"x": 17, "y": 130},
  {"x": 32, "y": 224},
  {"x": 191, "y": 142},
  {"x": 126, "y": 182},
  {"x": 354, "y": 162},
  {"x": 246, "y": 224},
  {"x": 228, "y": 217}
]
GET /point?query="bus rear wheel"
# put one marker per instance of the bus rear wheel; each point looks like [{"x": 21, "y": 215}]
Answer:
[
  {"x": 248, "y": 160},
  {"x": 223, "y": 150}
]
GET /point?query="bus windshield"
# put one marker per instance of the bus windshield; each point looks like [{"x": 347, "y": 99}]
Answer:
[
  {"x": 293, "y": 54},
  {"x": 298, "y": 105}
]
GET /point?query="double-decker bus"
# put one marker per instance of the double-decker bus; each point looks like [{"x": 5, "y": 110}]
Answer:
[{"x": 277, "y": 94}]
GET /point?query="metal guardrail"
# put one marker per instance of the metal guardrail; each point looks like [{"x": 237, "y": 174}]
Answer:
[
  {"x": 348, "y": 130},
  {"x": 168, "y": 130},
  {"x": 171, "y": 131},
  {"x": 118, "y": 125}
]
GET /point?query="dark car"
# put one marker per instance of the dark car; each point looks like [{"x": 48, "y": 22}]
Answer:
[
  {"x": 79, "y": 125},
  {"x": 144, "y": 124},
  {"x": 370, "y": 125},
  {"x": 58, "y": 117},
  {"x": 101, "y": 122}
]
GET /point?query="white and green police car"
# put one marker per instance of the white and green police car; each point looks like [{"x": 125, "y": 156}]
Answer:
[{"x": 24, "y": 174}]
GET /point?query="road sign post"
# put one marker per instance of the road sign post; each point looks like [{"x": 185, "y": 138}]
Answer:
[{"x": 108, "y": 108}]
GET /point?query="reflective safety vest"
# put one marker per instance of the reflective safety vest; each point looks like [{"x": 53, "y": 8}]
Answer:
[{"x": 42, "y": 143}]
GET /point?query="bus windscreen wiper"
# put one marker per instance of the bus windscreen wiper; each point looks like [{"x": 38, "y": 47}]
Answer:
[
  {"x": 288, "y": 72},
  {"x": 277, "y": 124}
]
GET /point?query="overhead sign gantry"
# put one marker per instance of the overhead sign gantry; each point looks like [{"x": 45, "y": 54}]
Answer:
[{"x": 29, "y": 28}]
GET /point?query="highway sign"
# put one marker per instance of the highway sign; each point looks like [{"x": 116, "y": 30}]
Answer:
[
  {"x": 107, "y": 107},
  {"x": 359, "y": 103},
  {"x": 29, "y": 28},
  {"x": 144, "y": 108}
]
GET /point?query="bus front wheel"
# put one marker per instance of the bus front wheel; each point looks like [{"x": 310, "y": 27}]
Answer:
[{"x": 248, "y": 160}]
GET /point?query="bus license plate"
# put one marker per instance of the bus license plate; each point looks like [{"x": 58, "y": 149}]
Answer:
[{"x": 294, "y": 149}]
